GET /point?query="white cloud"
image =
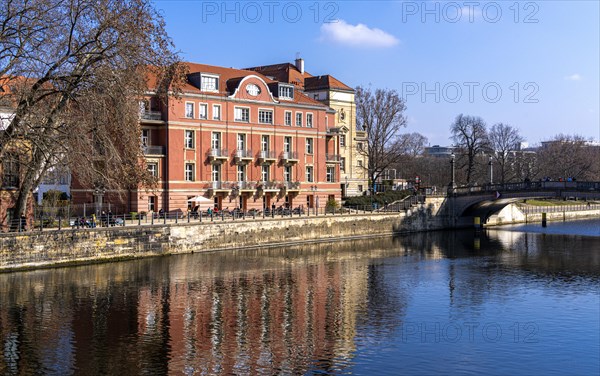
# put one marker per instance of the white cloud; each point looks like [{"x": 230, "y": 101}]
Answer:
[
  {"x": 356, "y": 35},
  {"x": 573, "y": 77}
]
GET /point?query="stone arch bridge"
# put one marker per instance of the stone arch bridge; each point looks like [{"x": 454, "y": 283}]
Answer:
[{"x": 462, "y": 204}]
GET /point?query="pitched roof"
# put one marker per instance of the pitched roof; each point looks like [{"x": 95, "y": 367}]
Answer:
[{"x": 324, "y": 82}]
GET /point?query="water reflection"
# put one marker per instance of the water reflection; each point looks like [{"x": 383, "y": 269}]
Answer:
[{"x": 292, "y": 311}]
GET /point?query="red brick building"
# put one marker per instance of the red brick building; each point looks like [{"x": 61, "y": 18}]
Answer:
[{"x": 239, "y": 139}]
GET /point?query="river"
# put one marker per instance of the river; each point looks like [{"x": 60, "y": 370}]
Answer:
[{"x": 517, "y": 300}]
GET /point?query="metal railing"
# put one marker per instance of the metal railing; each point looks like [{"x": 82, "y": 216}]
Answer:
[
  {"x": 267, "y": 154},
  {"x": 221, "y": 185},
  {"x": 151, "y": 115},
  {"x": 289, "y": 185},
  {"x": 530, "y": 209},
  {"x": 154, "y": 150},
  {"x": 243, "y": 154},
  {"x": 287, "y": 155},
  {"x": 246, "y": 185},
  {"x": 332, "y": 158},
  {"x": 528, "y": 186},
  {"x": 218, "y": 153}
]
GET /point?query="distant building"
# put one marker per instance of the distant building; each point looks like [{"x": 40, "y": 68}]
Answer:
[{"x": 439, "y": 151}]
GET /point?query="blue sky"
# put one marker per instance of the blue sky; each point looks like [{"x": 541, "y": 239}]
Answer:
[{"x": 533, "y": 64}]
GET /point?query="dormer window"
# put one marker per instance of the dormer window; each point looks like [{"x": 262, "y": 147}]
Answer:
[
  {"x": 209, "y": 83},
  {"x": 286, "y": 92}
]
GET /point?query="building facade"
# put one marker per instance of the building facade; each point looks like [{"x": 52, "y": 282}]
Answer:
[
  {"x": 338, "y": 96},
  {"x": 238, "y": 139}
]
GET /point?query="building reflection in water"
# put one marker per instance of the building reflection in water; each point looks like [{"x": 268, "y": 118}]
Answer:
[{"x": 265, "y": 311}]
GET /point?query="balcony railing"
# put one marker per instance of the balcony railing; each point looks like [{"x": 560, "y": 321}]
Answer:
[
  {"x": 246, "y": 185},
  {"x": 221, "y": 185},
  {"x": 332, "y": 158},
  {"x": 151, "y": 115},
  {"x": 289, "y": 156},
  {"x": 267, "y": 155},
  {"x": 243, "y": 155},
  {"x": 269, "y": 186},
  {"x": 215, "y": 153},
  {"x": 291, "y": 185},
  {"x": 154, "y": 150}
]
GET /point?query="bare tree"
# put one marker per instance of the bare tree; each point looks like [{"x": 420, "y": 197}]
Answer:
[
  {"x": 381, "y": 114},
  {"x": 76, "y": 72},
  {"x": 504, "y": 139},
  {"x": 569, "y": 156},
  {"x": 470, "y": 137}
]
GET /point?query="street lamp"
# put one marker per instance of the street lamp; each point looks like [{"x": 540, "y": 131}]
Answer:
[
  {"x": 491, "y": 171},
  {"x": 99, "y": 192},
  {"x": 452, "y": 184}
]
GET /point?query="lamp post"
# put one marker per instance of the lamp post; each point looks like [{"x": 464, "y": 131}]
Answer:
[
  {"x": 491, "y": 171},
  {"x": 452, "y": 184},
  {"x": 99, "y": 192},
  {"x": 313, "y": 188}
]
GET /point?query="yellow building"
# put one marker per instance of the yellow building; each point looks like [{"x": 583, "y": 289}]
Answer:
[{"x": 340, "y": 97}]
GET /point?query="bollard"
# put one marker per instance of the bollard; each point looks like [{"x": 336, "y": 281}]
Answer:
[
  {"x": 139, "y": 220},
  {"x": 152, "y": 219},
  {"x": 188, "y": 217},
  {"x": 59, "y": 223},
  {"x": 543, "y": 219},
  {"x": 176, "y": 217},
  {"x": 200, "y": 217}
]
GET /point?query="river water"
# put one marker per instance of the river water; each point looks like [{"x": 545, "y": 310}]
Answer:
[{"x": 516, "y": 300}]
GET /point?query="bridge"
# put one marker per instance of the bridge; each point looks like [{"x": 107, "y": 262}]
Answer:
[{"x": 464, "y": 203}]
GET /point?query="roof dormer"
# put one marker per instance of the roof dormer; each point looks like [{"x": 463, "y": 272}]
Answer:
[{"x": 207, "y": 82}]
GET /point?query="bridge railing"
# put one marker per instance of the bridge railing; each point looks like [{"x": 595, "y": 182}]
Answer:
[
  {"x": 527, "y": 186},
  {"x": 559, "y": 208}
]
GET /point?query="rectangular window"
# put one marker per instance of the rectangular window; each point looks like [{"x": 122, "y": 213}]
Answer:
[
  {"x": 264, "y": 143},
  {"x": 309, "y": 120},
  {"x": 309, "y": 146},
  {"x": 359, "y": 146},
  {"x": 189, "y": 110},
  {"x": 11, "y": 171},
  {"x": 288, "y": 118},
  {"x": 209, "y": 83},
  {"x": 151, "y": 203},
  {"x": 360, "y": 163},
  {"x": 287, "y": 144},
  {"x": 342, "y": 164},
  {"x": 241, "y": 141},
  {"x": 189, "y": 172},
  {"x": 342, "y": 140},
  {"x": 216, "y": 112},
  {"x": 360, "y": 188},
  {"x": 203, "y": 111},
  {"x": 242, "y": 114},
  {"x": 215, "y": 140},
  {"x": 287, "y": 173},
  {"x": 153, "y": 169},
  {"x": 286, "y": 92},
  {"x": 298, "y": 119},
  {"x": 309, "y": 174},
  {"x": 216, "y": 172},
  {"x": 241, "y": 172},
  {"x": 330, "y": 177},
  {"x": 189, "y": 139},
  {"x": 145, "y": 137},
  {"x": 265, "y": 117},
  {"x": 265, "y": 173}
]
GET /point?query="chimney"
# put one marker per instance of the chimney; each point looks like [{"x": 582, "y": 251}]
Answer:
[{"x": 300, "y": 63}]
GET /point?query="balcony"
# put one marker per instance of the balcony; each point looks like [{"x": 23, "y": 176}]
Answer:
[
  {"x": 154, "y": 150},
  {"x": 290, "y": 186},
  {"x": 246, "y": 186},
  {"x": 332, "y": 158},
  {"x": 220, "y": 187},
  {"x": 268, "y": 187},
  {"x": 217, "y": 155},
  {"x": 289, "y": 157},
  {"x": 243, "y": 155},
  {"x": 151, "y": 117},
  {"x": 361, "y": 135},
  {"x": 267, "y": 156}
]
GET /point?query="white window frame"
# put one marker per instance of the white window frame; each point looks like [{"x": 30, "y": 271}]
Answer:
[
  {"x": 287, "y": 173},
  {"x": 343, "y": 140},
  {"x": 211, "y": 76},
  {"x": 309, "y": 174},
  {"x": 265, "y": 172},
  {"x": 145, "y": 137},
  {"x": 309, "y": 124},
  {"x": 287, "y": 144},
  {"x": 343, "y": 164},
  {"x": 186, "y": 114},
  {"x": 310, "y": 145},
  {"x": 241, "y": 118},
  {"x": 189, "y": 139},
  {"x": 286, "y": 92},
  {"x": 215, "y": 140},
  {"x": 189, "y": 171},
  {"x": 215, "y": 173},
  {"x": 287, "y": 118},
  {"x": 205, "y": 107},
  {"x": 216, "y": 112},
  {"x": 151, "y": 203},
  {"x": 265, "y": 142},
  {"x": 154, "y": 169},
  {"x": 241, "y": 172},
  {"x": 296, "y": 119},
  {"x": 330, "y": 174},
  {"x": 261, "y": 120},
  {"x": 241, "y": 141}
]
